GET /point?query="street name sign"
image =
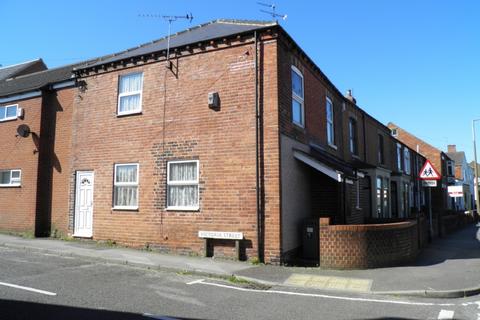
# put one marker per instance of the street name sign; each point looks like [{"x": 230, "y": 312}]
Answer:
[
  {"x": 220, "y": 235},
  {"x": 429, "y": 183}
]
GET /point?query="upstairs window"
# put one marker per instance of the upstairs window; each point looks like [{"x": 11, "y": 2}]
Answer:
[
  {"x": 399, "y": 157},
  {"x": 126, "y": 186},
  {"x": 406, "y": 160},
  {"x": 450, "y": 168},
  {"x": 8, "y": 112},
  {"x": 353, "y": 140},
  {"x": 182, "y": 185},
  {"x": 10, "y": 178},
  {"x": 130, "y": 94},
  {"x": 381, "y": 154},
  {"x": 330, "y": 123},
  {"x": 298, "y": 108}
]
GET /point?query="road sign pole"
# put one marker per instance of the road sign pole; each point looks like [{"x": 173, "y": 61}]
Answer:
[
  {"x": 430, "y": 212},
  {"x": 475, "y": 186}
]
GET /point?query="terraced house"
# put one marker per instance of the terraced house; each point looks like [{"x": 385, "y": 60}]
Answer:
[
  {"x": 232, "y": 134},
  {"x": 35, "y": 128}
]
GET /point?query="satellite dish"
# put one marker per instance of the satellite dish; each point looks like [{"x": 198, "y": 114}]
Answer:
[{"x": 23, "y": 130}]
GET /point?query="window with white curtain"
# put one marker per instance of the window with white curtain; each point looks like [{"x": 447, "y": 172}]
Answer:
[
  {"x": 8, "y": 112},
  {"x": 125, "y": 195},
  {"x": 130, "y": 93},
  {"x": 10, "y": 178},
  {"x": 298, "y": 109},
  {"x": 182, "y": 185}
]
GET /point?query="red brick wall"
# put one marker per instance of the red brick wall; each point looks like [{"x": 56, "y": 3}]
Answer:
[
  {"x": 62, "y": 104},
  {"x": 270, "y": 82},
  {"x": 183, "y": 128},
  {"x": 18, "y": 204},
  {"x": 316, "y": 90},
  {"x": 367, "y": 246}
]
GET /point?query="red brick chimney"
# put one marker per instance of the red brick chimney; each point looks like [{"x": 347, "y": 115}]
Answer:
[{"x": 452, "y": 148}]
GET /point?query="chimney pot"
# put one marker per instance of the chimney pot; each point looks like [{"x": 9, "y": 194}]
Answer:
[
  {"x": 452, "y": 148},
  {"x": 350, "y": 97}
]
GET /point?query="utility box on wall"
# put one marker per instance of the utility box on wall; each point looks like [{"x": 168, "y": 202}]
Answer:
[{"x": 310, "y": 239}]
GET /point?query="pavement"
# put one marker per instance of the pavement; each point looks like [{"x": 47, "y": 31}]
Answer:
[{"x": 447, "y": 268}]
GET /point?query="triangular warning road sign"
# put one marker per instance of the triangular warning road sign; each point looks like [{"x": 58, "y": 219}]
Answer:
[{"x": 428, "y": 172}]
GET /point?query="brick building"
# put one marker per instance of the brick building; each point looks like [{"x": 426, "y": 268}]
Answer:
[
  {"x": 440, "y": 160},
  {"x": 35, "y": 130},
  {"x": 237, "y": 130}
]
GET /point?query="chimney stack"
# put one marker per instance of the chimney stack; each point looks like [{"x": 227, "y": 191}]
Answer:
[
  {"x": 452, "y": 148},
  {"x": 350, "y": 97}
]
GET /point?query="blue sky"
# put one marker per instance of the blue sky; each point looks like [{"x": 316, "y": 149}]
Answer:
[{"x": 412, "y": 62}]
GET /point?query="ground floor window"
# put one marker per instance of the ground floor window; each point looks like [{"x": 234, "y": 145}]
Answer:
[
  {"x": 182, "y": 185},
  {"x": 405, "y": 199},
  {"x": 126, "y": 186},
  {"x": 382, "y": 197},
  {"x": 10, "y": 178}
]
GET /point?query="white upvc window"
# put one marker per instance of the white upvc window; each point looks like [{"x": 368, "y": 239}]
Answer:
[
  {"x": 399, "y": 157},
  {"x": 130, "y": 93},
  {"x": 352, "y": 132},
  {"x": 182, "y": 185},
  {"x": 298, "y": 107},
  {"x": 125, "y": 184},
  {"x": 330, "y": 122},
  {"x": 8, "y": 112},
  {"x": 406, "y": 160},
  {"x": 10, "y": 178}
]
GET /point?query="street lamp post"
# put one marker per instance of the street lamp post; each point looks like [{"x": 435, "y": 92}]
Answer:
[{"x": 475, "y": 187}]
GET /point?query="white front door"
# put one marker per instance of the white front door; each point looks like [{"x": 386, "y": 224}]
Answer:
[{"x": 84, "y": 204}]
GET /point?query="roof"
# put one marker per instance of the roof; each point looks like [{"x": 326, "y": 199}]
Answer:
[
  {"x": 392, "y": 125},
  {"x": 22, "y": 68},
  {"x": 458, "y": 157},
  {"x": 35, "y": 81},
  {"x": 472, "y": 165},
  {"x": 208, "y": 31}
]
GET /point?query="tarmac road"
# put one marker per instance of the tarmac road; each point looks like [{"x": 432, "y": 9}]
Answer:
[{"x": 36, "y": 285}]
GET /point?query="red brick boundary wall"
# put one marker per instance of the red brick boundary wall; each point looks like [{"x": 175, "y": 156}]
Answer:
[{"x": 367, "y": 245}]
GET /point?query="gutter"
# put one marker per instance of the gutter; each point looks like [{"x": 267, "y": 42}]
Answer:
[{"x": 21, "y": 96}]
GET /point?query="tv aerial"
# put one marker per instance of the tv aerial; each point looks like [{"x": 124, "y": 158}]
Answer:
[
  {"x": 272, "y": 11},
  {"x": 169, "y": 19}
]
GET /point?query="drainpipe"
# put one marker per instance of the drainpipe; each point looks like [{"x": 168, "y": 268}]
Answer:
[
  {"x": 257, "y": 159},
  {"x": 370, "y": 200}
]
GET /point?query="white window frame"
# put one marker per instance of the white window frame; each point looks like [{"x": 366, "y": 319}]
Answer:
[
  {"x": 131, "y": 93},
  {"x": 407, "y": 161},
  {"x": 450, "y": 166},
  {"x": 353, "y": 135},
  {"x": 184, "y": 183},
  {"x": 330, "y": 122},
  {"x": 126, "y": 184},
  {"x": 14, "y": 182},
  {"x": 399, "y": 157},
  {"x": 10, "y": 118},
  {"x": 300, "y": 100}
]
